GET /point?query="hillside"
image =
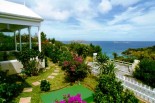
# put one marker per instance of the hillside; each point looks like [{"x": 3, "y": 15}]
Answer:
[{"x": 140, "y": 53}]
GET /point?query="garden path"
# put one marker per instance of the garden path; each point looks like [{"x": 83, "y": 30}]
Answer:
[{"x": 37, "y": 83}]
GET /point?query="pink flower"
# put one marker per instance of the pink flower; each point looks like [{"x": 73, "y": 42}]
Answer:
[
  {"x": 65, "y": 63},
  {"x": 72, "y": 68},
  {"x": 78, "y": 59},
  {"x": 62, "y": 101},
  {"x": 72, "y": 99}
]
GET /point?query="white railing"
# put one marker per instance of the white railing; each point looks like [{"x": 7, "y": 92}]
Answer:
[
  {"x": 143, "y": 91},
  {"x": 122, "y": 62}
]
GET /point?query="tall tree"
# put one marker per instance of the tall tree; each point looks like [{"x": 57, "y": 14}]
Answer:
[{"x": 43, "y": 37}]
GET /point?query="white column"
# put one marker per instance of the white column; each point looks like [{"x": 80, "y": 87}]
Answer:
[
  {"x": 39, "y": 39},
  {"x": 29, "y": 31},
  {"x": 15, "y": 41},
  {"x": 20, "y": 41}
]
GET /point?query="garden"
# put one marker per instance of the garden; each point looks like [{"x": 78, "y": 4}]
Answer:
[{"x": 66, "y": 79}]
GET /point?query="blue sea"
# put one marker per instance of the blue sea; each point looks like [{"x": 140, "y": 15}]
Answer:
[{"x": 109, "y": 47}]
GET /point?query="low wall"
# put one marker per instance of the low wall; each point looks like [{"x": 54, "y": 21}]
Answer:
[{"x": 13, "y": 66}]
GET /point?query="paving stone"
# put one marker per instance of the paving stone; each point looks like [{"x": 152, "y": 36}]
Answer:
[
  {"x": 52, "y": 64},
  {"x": 56, "y": 66},
  {"x": 25, "y": 100},
  {"x": 50, "y": 77},
  {"x": 54, "y": 74},
  {"x": 56, "y": 71},
  {"x": 48, "y": 68},
  {"x": 36, "y": 83},
  {"x": 27, "y": 90}
]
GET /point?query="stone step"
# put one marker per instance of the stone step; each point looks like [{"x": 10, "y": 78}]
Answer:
[
  {"x": 56, "y": 71},
  {"x": 51, "y": 77},
  {"x": 27, "y": 90},
  {"x": 25, "y": 100},
  {"x": 54, "y": 74},
  {"x": 36, "y": 83}
]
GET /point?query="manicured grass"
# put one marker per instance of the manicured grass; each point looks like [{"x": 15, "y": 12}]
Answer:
[
  {"x": 57, "y": 83},
  {"x": 86, "y": 94}
]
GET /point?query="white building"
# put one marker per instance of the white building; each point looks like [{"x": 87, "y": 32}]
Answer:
[{"x": 15, "y": 17}]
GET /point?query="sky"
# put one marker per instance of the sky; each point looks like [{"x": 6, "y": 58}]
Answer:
[{"x": 96, "y": 20}]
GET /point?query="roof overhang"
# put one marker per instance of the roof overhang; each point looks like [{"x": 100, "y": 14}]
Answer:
[{"x": 16, "y": 18}]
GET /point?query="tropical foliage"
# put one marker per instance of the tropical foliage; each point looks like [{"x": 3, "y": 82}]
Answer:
[
  {"x": 75, "y": 69},
  {"x": 102, "y": 58},
  {"x": 6, "y": 42},
  {"x": 109, "y": 90},
  {"x": 29, "y": 60},
  {"x": 45, "y": 85},
  {"x": 146, "y": 71},
  {"x": 141, "y": 53},
  {"x": 10, "y": 86},
  {"x": 84, "y": 49}
]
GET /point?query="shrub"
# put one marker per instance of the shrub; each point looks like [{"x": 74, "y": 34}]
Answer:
[
  {"x": 8, "y": 91},
  {"x": 29, "y": 60},
  {"x": 145, "y": 72},
  {"x": 45, "y": 85},
  {"x": 76, "y": 69},
  {"x": 71, "y": 99},
  {"x": 65, "y": 56},
  {"x": 102, "y": 58},
  {"x": 109, "y": 90},
  {"x": 9, "y": 87}
]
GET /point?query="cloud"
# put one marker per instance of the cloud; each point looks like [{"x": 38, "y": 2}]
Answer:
[
  {"x": 145, "y": 19},
  {"x": 125, "y": 16},
  {"x": 105, "y": 6},
  {"x": 96, "y": 19},
  {"x": 63, "y": 10},
  {"x": 51, "y": 11},
  {"x": 124, "y": 3}
]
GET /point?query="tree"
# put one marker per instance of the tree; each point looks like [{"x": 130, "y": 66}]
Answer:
[
  {"x": 115, "y": 55},
  {"x": 145, "y": 72},
  {"x": 43, "y": 37},
  {"x": 109, "y": 90},
  {"x": 102, "y": 58}
]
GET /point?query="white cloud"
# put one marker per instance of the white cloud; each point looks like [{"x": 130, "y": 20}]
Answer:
[
  {"x": 105, "y": 6},
  {"x": 124, "y": 3},
  {"x": 130, "y": 13},
  {"x": 145, "y": 19},
  {"x": 62, "y": 10},
  {"x": 51, "y": 11},
  {"x": 88, "y": 19}
]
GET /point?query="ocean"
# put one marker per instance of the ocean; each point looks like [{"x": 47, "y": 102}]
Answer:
[{"x": 109, "y": 47}]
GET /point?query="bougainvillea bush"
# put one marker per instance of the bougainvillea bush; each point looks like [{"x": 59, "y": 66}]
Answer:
[
  {"x": 71, "y": 99},
  {"x": 75, "y": 69}
]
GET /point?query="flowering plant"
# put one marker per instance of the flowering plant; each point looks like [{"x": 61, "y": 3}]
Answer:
[
  {"x": 71, "y": 99},
  {"x": 75, "y": 69}
]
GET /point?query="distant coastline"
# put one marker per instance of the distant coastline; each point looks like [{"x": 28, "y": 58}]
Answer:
[{"x": 109, "y": 47}]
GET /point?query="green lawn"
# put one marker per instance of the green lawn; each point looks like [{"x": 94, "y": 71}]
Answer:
[
  {"x": 86, "y": 94},
  {"x": 57, "y": 83}
]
